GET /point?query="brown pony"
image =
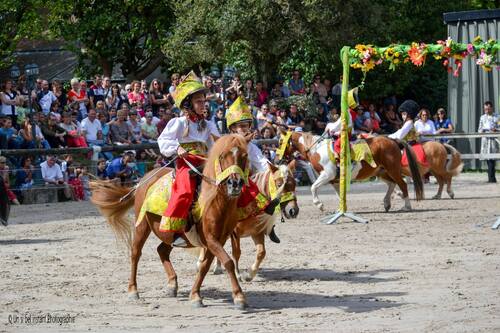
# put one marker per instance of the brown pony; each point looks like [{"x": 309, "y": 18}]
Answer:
[
  {"x": 440, "y": 166},
  {"x": 258, "y": 226},
  {"x": 217, "y": 221},
  {"x": 386, "y": 154}
]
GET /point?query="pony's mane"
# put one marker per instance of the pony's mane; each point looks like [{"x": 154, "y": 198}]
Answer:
[
  {"x": 222, "y": 146},
  {"x": 309, "y": 138}
]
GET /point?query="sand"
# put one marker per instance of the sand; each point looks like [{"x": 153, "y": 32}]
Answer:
[{"x": 436, "y": 269}]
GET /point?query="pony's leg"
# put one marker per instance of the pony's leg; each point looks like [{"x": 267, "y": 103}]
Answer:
[
  {"x": 396, "y": 177},
  {"x": 236, "y": 252},
  {"x": 217, "y": 268},
  {"x": 390, "y": 188},
  {"x": 164, "y": 253},
  {"x": 259, "y": 241},
  {"x": 141, "y": 234},
  {"x": 218, "y": 250},
  {"x": 324, "y": 178},
  {"x": 194, "y": 297},
  {"x": 440, "y": 181},
  {"x": 448, "y": 187},
  {"x": 200, "y": 258}
]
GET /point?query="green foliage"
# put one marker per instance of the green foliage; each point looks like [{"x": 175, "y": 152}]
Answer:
[
  {"x": 18, "y": 20},
  {"x": 106, "y": 33}
]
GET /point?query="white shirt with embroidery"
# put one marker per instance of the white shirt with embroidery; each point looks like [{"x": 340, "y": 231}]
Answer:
[
  {"x": 173, "y": 135},
  {"x": 335, "y": 127},
  {"x": 403, "y": 131},
  {"x": 258, "y": 162}
]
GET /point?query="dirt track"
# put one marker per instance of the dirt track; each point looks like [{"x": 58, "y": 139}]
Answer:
[{"x": 436, "y": 269}]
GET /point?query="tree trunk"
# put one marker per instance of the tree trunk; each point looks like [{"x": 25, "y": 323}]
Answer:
[
  {"x": 148, "y": 68},
  {"x": 107, "y": 67}
]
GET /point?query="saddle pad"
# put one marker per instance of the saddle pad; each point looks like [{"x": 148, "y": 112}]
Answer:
[
  {"x": 419, "y": 153},
  {"x": 360, "y": 151},
  {"x": 157, "y": 199}
]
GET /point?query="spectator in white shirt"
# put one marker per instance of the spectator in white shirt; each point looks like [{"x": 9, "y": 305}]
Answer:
[
  {"x": 91, "y": 128},
  {"x": 52, "y": 175},
  {"x": 424, "y": 125},
  {"x": 45, "y": 97}
]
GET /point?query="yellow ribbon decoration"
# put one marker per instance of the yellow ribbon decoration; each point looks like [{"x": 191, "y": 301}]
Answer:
[
  {"x": 220, "y": 176},
  {"x": 273, "y": 191},
  {"x": 280, "y": 152}
]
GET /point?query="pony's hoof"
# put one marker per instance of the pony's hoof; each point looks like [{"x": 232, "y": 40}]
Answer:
[
  {"x": 218, "y": 270},
  {"x": 387, "y": 207},
  {"x": 248, "y": 277},
  {"x": 320, "y": 206},
  {"x": 133, "y": 296},
  {"x": 405, "y": 209},
  {"x": 171, "y": 292},
  {"x": 197, "y": 304},
  {"x": 436, "y": 197},
  {"x": 240, "y": 304},
  {"x": 452, "y": 195}
]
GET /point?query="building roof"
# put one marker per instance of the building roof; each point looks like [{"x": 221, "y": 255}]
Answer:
[{"x": 472, "y": 15}]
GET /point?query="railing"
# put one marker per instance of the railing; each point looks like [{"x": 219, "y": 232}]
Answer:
[{"x": 120, "y": 148}]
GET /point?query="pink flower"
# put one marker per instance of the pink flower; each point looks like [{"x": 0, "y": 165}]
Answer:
[{"x": 470, "y": 48}]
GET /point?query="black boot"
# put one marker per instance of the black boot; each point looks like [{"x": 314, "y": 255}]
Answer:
[
  {"x": 272, "y": 206},
  {"x": 179, "y": 241},
  {"x": 273, "y": 237}
]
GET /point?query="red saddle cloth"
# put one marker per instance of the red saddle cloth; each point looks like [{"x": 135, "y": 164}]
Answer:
[
  {"x": 336, "y": 145},
  {"x": 419, "y": 153}
]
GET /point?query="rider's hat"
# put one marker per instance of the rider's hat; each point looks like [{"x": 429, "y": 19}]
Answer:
[
  {"x": 410, "y": 107},
  {"x": 238, "y": 112},
  {"x": 189, "y": 86}
]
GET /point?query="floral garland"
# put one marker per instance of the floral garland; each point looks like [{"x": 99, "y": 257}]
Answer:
[{"x": 366, "y": 57}]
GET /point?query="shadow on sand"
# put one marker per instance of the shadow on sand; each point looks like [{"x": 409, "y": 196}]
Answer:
[
  {"x": 262, "y": 301},
  {"x": 30, "y": 241},
  {"x": 311, "y": 274}
]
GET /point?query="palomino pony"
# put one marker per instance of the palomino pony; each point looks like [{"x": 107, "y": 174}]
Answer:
[
  {"x": 386, "y": 155},
  {"x": 218, "y": 218},
  {"x": 257, "y": 227},
  {"x": 439, "y": 165}
]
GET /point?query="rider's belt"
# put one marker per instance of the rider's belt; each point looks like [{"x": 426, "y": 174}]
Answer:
[{"x": 195, "y": 148}]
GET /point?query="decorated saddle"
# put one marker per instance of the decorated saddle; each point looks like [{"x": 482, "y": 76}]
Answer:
[
  {"x": 419, "y": 153},
  {"x": 360, "y": 151}
]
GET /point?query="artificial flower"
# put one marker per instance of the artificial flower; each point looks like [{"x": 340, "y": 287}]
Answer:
[{"x": 417, "y": 54}]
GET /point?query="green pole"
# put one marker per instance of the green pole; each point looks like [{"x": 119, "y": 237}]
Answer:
[{"x": 345, "y": 158}]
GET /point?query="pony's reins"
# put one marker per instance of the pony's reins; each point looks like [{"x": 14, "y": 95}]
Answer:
[{"x": 139, "y": 184}]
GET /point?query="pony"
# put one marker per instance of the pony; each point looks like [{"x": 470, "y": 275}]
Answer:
[
  {"x": 258, "y": 226},
  {"x": 218, "y": 219},
  {"x": 386, "y": 155},
  {"x": 440, "y": 166}
]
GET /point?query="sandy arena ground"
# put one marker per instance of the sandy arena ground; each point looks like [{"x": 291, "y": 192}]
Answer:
[{"x": 436, "y": 269}]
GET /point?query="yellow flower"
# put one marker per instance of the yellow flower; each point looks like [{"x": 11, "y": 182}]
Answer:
[
  {"x": 369, "y": 66},
  {"x": 361, "y": 48},
  {"x": 396, "y": 61}
]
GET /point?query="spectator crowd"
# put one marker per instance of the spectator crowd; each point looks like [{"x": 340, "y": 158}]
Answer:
[{"x": 98, "y": 112}]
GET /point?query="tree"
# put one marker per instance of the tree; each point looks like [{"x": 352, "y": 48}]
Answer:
[
  {"x": 106, "y": 33},
  {"x": 18, "y": 20}
]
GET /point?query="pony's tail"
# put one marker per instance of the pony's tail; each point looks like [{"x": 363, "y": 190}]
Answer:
[
  {"x": 455, "y": 165},
  {"x": 418, "y": 184},
  {"x": 107, "y": 196}
]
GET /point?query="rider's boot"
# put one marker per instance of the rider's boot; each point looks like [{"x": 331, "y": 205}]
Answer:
[
  {"x": 272, "y": 206},
  {"x": 273, "y": 237}
]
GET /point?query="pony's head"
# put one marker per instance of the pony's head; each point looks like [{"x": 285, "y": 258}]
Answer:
[
  {"x": 285, "y": 182},
  {"x": 228, "y": 164},
  {"x": 289, "y": 143}
]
